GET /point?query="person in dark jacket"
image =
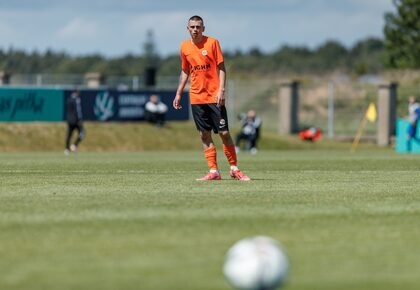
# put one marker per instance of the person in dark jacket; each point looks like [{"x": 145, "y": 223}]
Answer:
[{"x": 74, "y": 120}]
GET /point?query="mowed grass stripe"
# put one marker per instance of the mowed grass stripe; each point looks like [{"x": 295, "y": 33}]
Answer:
[{"x": 141, "y": 221}]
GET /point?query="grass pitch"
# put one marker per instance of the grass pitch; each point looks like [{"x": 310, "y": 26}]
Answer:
[{"x": 140, "y": 220}]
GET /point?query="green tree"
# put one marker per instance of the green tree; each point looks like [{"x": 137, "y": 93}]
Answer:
[
  {"x": 367, "y": 56},
  {"x": 402, "y": 34},
  {"x": 331, "y": 55}
]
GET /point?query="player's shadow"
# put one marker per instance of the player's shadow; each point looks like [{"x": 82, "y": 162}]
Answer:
[{"x": 252, "y": 179}]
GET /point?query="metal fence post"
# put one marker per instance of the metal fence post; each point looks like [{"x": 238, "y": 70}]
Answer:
[
  {"x": 39, "y": 79},
  {"x": 135, "y": 83},
  {"x": 94, "y": 80}
]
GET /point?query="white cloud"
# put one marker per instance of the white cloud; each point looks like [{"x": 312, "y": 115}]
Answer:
[
  {"x": 79, "y": 29},
  {"x": 309, "y": 25},
  {"x": 114, "y": 27}
]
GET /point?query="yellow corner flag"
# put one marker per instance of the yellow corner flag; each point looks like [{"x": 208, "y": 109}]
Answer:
[
  {"x": 371, "y": 113},
  {"x": 371, "y": 116}
]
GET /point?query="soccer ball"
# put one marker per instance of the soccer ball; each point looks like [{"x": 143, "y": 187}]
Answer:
[{"x": 256, "y": 263}]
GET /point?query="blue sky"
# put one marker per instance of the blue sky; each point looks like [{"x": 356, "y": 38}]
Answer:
[{"x": 116, "y": 27}]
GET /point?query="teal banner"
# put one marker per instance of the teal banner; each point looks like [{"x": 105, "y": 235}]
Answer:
[
  {"x": 402, "y": 144},
  {"x": 25, "y": 105}
]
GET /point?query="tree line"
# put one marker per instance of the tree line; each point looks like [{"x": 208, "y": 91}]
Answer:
[{"x": 366, "y": 56}]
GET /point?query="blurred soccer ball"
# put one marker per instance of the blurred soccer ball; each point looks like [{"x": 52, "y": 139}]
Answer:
[{"x": 256, "y": 263}]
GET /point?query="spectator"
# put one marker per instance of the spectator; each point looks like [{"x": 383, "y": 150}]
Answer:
[
  {"x": 250, "y": 132},
  {"x": 74, "y": 121},
  {"x": 155, "y": 111},
  {"x": 413, "y": 118}
]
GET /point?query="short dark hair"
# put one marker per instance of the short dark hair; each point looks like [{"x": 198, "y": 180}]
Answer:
[{"x": 196, "y": 18}]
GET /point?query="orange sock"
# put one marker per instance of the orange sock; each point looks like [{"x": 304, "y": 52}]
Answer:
[
  {"x": 211, "y": 157},
  {"x": 230, "y": 153}
]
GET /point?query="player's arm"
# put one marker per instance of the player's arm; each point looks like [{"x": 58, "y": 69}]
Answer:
[
  {"x": 183, "y": 78},
  {"x": 222, "y": 84}
]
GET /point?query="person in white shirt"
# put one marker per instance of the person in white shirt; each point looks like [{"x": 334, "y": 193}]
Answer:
[{"x": 155, "y": 111}]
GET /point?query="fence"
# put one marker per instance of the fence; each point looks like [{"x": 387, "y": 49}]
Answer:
[
  {"x": 72, "y": 80},
  {"x": 335, "y": 105}
]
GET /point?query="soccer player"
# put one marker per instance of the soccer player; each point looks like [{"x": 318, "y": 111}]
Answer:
[
  {"x": 202, "y": 61},
  {"x": 74, "y": 121}
]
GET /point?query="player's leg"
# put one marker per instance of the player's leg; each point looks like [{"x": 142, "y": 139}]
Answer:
[
  {"x": 210, "y": 154},
  {"x": 161, "y": 119},
  {"x": 206, "y": 139},
  {"x": 154, "y": 118},
  {"x": 230, "y": 152},
  {"x": 148, "y": 116},
  {"x": 229, "y": 148},
  {"x": 238, "y": 140},
  {"x": 200, "y": 115},
  {"x": 220, "y": 120},
  {"x": 80, "y": 136},
  {"x": 219, "y": 117},
  {"x": 70, "y": 129},
  {"x": 249, "y": 142},
  {"x": 410, "y": 136},
  {"x": 209, "y": 149},
  {"x": 414, "y": 135},
  {"x": 253, "y": 144}
]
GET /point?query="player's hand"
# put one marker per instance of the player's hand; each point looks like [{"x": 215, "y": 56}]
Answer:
[
  {"x": 221, "y": 99},
  {"x": 177, "y": 102}
]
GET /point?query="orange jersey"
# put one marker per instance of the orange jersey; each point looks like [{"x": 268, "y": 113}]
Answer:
[{"x": 201, "y": 61}]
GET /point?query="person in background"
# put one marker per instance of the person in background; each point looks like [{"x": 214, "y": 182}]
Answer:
[
  {"x": 74, "y": 120},
  {"x": 413, "y": 118},
  {"x": 202, "y": 61},
  {"x": 250, "y": 132},
  {"x": 155, "y": 111}
]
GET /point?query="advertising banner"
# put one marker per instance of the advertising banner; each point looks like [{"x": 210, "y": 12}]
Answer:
[
  {"x": 112, "y": 105},
  {"x": 402, "y": 144},
  {"x": 24, "y": 105},
  {"x": 37, "y": 104}
]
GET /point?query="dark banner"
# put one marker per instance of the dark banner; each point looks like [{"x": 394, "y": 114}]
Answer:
[
  {"x": 26, "y": 104},
  {"x": 112, "y": 105}
]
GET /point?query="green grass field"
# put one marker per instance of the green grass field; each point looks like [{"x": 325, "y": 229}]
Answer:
[{"x": 141, "y": 221}]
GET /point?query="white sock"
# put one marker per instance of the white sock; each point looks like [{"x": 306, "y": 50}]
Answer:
[
  {"x": 214, "y": 171},
  {"x": 234, "y": 168}
]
